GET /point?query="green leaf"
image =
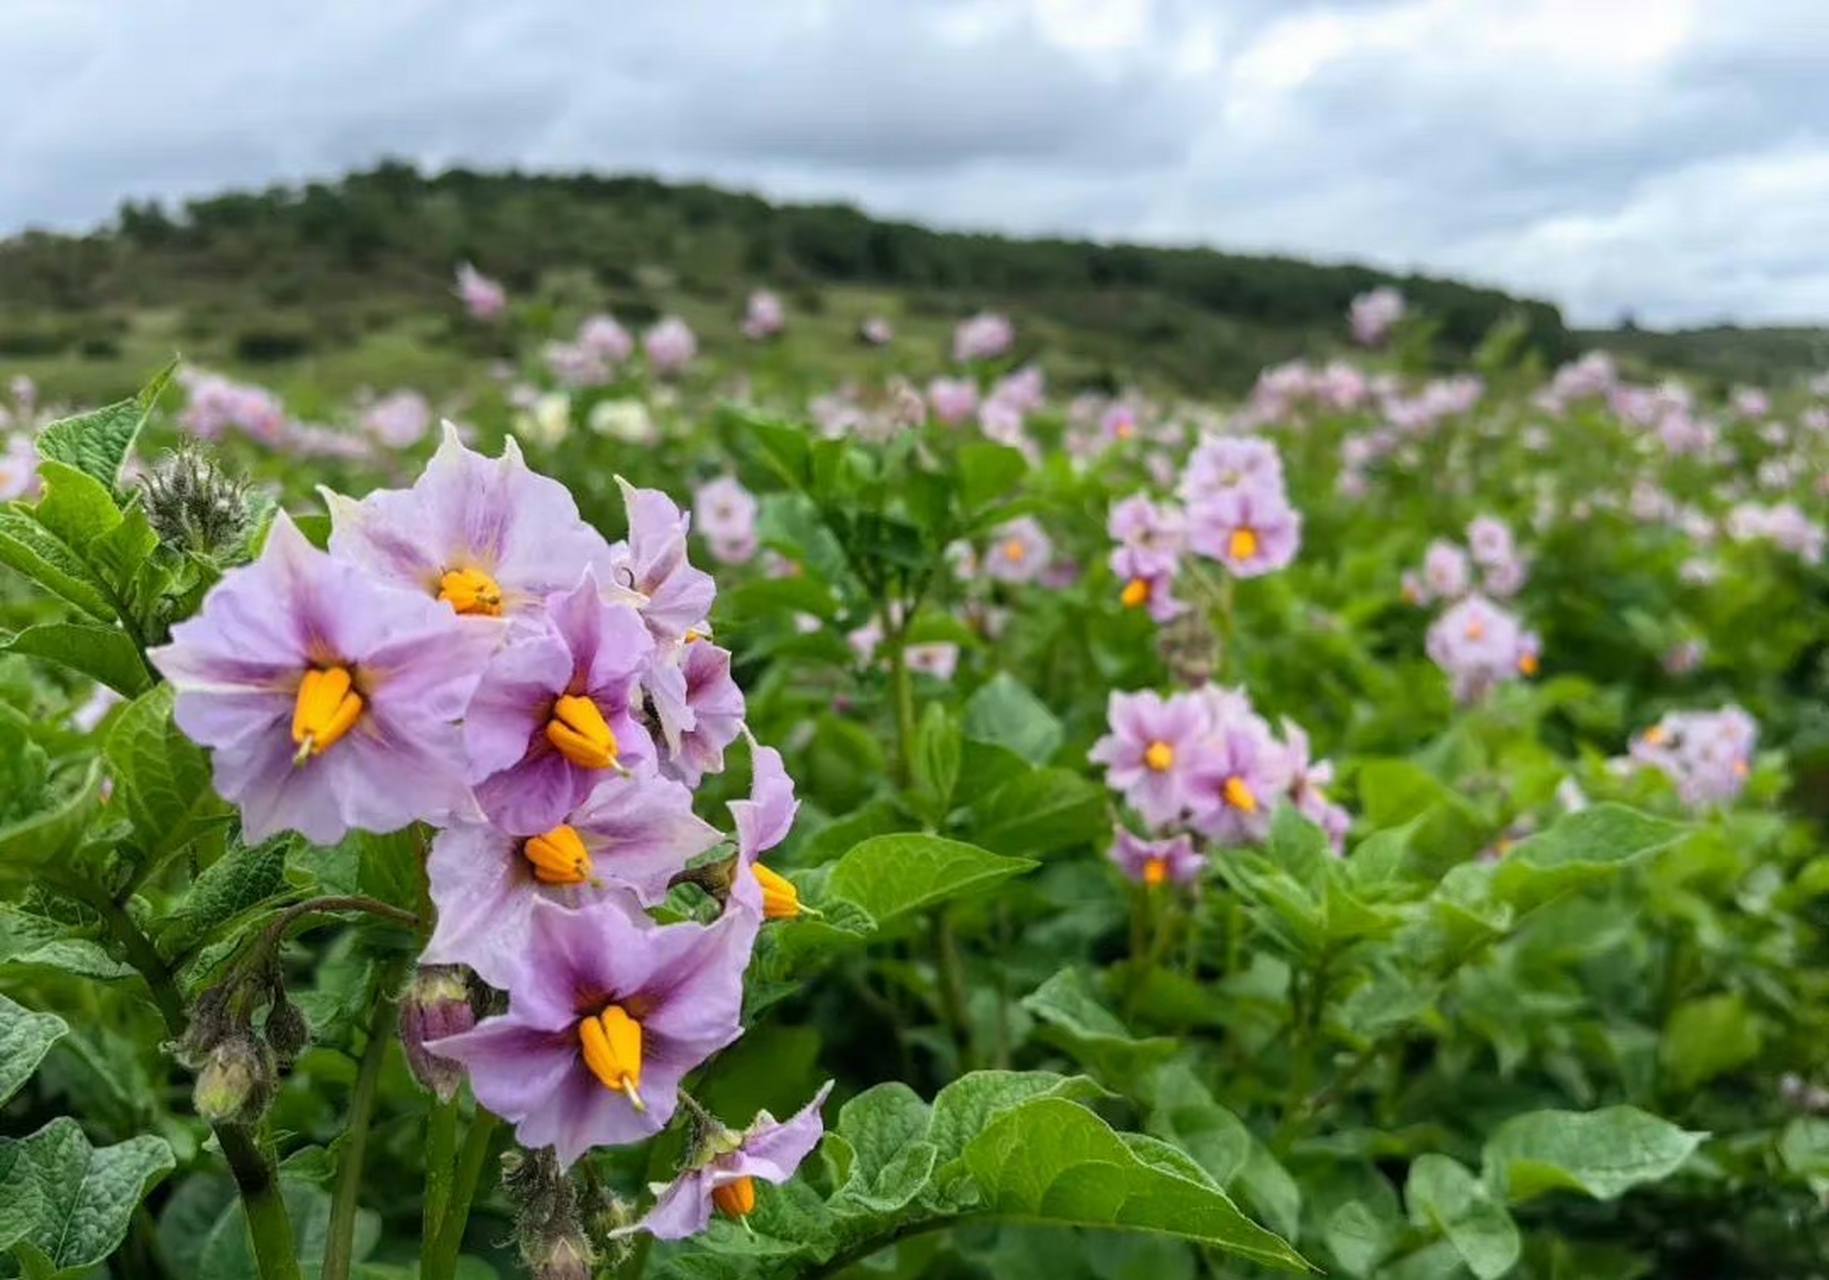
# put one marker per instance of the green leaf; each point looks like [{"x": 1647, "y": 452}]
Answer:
[
  {"x": 25, "y": 1037},
  {"x": 1443, "y": 1194},
  {"x": 894, "y": 875},
  {"x": 1005, "y": 714},
  {"x": 1601, "y": 1153},
  {"x": 963, "y": 1108},
  {"x": 97, "y": 443},
  {"x": 240, "y": 880},
  {"x": 33, "y": 842},
  {"x": 1707, "y": 1038},
  {"x": 1580, "y": 848},
  {"x": 1300, "y": 848},
  {"x": 891, "y": 1158},
  {"x": 67, "y": 1199},
  {"x": 162, "y": 778},
  {"x": 388, "y": 867},
  {"x": 77, "y": 508},
  {"x": 1090, "y": 1032},
  {"x": 1039, "y": 812},
  {"x": 935, "y": 766},
  {"x": 1803, "y": 1146},
  {"x": 228, "y": 1253},
  {"x": 1054, "y": 1161},
  {"x": 988, "y": 473},
  {"x": 41, "y": 556},
  {"x": 105, "y": 654}
]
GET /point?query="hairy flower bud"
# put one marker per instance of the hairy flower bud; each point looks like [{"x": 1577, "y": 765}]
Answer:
[
  {"x": 566, "y": 1258},
  {"x": 237, "y": 1081},
  {"x": 287, "y": 1031},
  {"x": 436, "y": 1004},
  {"x": 194, "y": 505}
]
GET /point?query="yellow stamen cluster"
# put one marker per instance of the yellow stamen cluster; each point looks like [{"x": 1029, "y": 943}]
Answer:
[
  {"x": 611, "y": 1044},
  {"x": 780, "y": 899},
  {"x": 1238, "y": 795},
  {"x": 327, "y": 707},
  {"x": 1242, "y": 545},
  {"x": 471, "y": 591},
  {"x": 1136, "y": 592},
  {"x": 1159, "y": 757},
  {"x": 1155, "y": 872},
  {"x": 579, "y": 732},
  {"x": 736, "y": 1199},
  {"x": 558, "y": 857},
  {"x": 1527, "y": 664}
]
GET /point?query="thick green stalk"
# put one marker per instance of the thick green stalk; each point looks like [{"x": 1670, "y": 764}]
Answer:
[
  {"x": 950, "y": 975},
  {"x": 339, "y": 1240},
  {"x": 440, "y": 1165},
  {"x": 439, "y": 1260}
]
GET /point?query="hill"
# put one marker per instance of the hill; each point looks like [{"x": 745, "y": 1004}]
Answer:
[
  {"x": 331, "y": 286},
  {"x": 350, "y": 281}
]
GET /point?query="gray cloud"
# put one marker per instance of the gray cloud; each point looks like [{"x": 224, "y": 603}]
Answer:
[{"x": 1663, "y": 156}]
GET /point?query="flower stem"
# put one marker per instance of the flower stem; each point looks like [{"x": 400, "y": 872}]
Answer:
[
  {"x": 251, "y": 1164},
  {"x": 951, "y": 979},
  {"x": 902, "y": 694},
  {"x": 339, "y": 1239},
  {"x": 440, "y": 1165},
  {"x": 440, "y": 1258}
]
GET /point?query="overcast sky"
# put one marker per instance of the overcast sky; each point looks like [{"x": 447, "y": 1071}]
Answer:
[{"x": 1667, "y": 157}]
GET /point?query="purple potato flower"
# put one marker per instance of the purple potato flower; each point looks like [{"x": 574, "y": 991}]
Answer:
[
  {"x": 676, "y": 598},
  {"x": 554, "y": 711},
  {"x": 329, "y": 699},
  {"x": 724, "y": 1177},
  {"x": 699, "y": 707},
  {"x": 763, "y": 821},
  {"x": 1236, "y": 781},
  {"x": 488, "y": 536},
  {"x": 1251, "y": 531},
  {"x": 606, "y": 1016},
  {"x": 1153, "y": 746},
  {"x": 1155, "y": 862},
  {"x": 626, "y": 842}
]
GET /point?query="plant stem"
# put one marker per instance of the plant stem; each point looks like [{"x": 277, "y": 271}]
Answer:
[
  {"x": 951, "y": 975},
  {"x": 901, "y": 690},
  {"x": 250, "y": 1163},
  {"x": 339, "y": 1239},
  {"x": 876, "y": 1244},
  {"x": 440, "y": 1166},
  {"x": 440, "y": 1259}
]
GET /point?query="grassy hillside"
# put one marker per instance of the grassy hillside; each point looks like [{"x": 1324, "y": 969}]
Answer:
[
  {"x": 348, "y": 283},
  {"x": 334, "y": 286}
]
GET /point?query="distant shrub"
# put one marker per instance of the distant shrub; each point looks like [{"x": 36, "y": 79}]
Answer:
[{"x": 272, "y": 345}]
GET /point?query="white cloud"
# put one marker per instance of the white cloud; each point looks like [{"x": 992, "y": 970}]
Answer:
[{"x": 1662, "y": 156}]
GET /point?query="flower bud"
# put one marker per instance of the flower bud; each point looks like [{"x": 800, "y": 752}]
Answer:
[
  {"x": 194, "y": 505},
  {"x": 236, "y": 1082},
  {"x": 436, "y": 1004},
  {"x": 567, "y": 1258},
  {"x": 287, "y": 1031}
]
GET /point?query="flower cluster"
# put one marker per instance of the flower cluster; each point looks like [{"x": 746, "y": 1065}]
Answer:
[
  {"x": 594, "y": 354},
  {"x": 483, "y": 298},
  {"x": 1373, "y": 315},
  {"x": 1237, "y": 506},
  {"x": 1448, "y": 570},
  {"x": 763, "y": 317},
  {"x": 1204, "y": 763},
  {"x": 670, "y": 346},
  {"x": 985, "y": 336},
  {"x": 469, "y": 653},
  {"x": 1707, "y": 754}
]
